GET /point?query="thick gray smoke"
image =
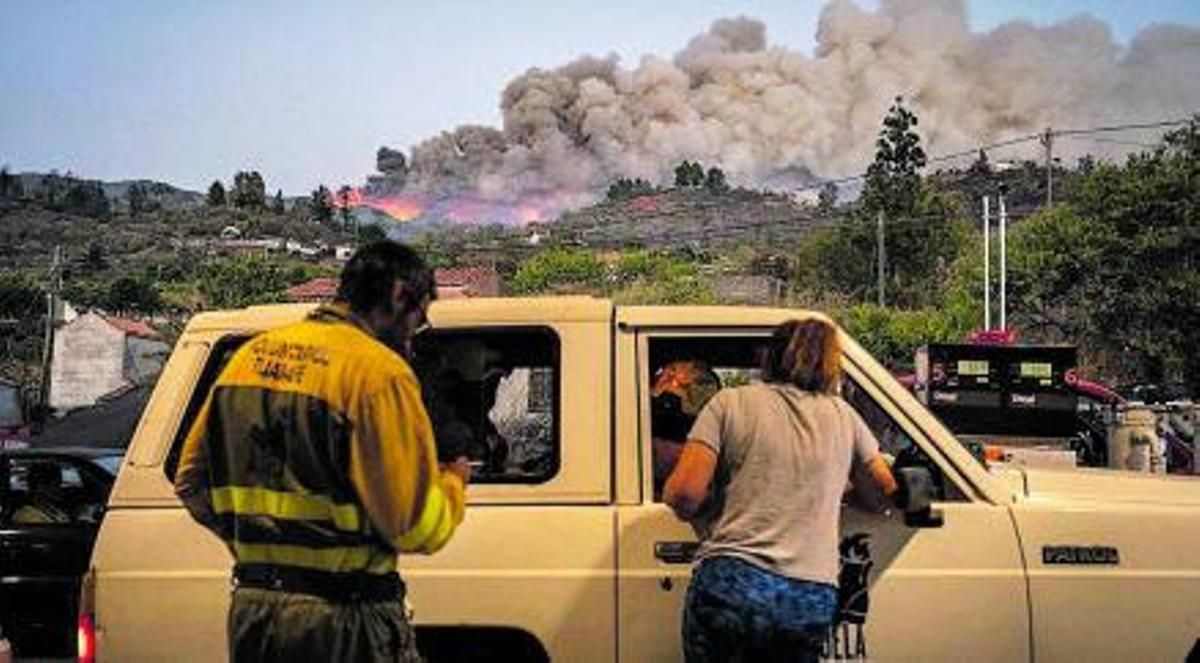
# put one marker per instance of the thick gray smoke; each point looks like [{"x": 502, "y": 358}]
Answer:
[{"x": 768, "y": 114}]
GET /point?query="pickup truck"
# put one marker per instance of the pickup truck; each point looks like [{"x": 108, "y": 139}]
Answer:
[{"x": 568, "y": 554}]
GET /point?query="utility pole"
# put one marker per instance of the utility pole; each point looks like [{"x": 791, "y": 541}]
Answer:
[
  {"x": 1047, "y": 140},
  {"x": 987, "y": 265},
  {"x": 51, "y": 314},
  {"x": 1003, "y": 256},
  {"x": 882, "y": 266}
]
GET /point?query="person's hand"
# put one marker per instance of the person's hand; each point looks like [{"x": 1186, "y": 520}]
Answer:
[{"x": 460, "y": 466}]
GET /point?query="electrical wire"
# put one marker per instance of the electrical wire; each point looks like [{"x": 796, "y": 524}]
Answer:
[
  {"x": 1016, "y": 140},
  {"x": 1113, "y": 141}
]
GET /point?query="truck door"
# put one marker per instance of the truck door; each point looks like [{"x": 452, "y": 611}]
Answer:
[{"x": 951, "y": 587}]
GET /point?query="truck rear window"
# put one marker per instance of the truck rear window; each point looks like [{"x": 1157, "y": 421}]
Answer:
[
  {"x": 221, "y": 353},
  {"x": 492, "y": 395}
]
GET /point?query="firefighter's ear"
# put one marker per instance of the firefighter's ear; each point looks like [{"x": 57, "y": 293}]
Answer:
[{"x": 399, "y": 296}]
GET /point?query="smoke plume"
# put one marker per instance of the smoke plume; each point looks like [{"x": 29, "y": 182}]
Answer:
[{"x": 769, "y": 115}]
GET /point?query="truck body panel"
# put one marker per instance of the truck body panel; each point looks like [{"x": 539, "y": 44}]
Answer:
[{"x": 585, "y": 560}]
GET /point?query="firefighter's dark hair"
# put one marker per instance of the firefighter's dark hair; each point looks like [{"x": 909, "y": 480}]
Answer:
[{"x": 368, "y": 278}]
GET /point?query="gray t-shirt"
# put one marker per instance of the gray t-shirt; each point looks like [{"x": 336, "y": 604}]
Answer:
[{"x": 784, "y": 458}]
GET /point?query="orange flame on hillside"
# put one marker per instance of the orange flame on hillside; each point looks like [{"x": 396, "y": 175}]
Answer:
[
  {"x": 400, "y": 208},
  {"x": 459, "y": 209}
]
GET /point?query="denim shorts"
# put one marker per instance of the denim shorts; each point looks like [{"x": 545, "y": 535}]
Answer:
[{"x": 737, "y": 611}]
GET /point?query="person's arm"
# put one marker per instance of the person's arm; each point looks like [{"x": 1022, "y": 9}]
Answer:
[
  {"x": 413, "y": 502},
  {"x": 870, "y": 475},
  {"x": 688, "y": 485},
  {"x": 191, "y": 476}
]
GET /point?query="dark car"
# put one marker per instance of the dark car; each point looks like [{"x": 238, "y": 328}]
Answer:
[{"x": 51, "y": 503}]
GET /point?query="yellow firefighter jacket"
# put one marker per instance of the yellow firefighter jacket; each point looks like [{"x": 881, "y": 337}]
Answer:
[{"x": 314, "y": 450}]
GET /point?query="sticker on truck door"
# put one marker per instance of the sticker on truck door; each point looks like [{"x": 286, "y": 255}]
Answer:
[{"x": 847, "y": 639}]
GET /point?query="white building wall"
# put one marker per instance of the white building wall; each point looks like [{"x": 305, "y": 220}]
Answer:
[{"x": 88, "y": 362}]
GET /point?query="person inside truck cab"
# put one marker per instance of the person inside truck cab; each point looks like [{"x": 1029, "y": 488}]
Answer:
[
  {"x": 681, "y": 389},
  {"x": 767, "y": 464},
  {"x": 461, "y": 392},
  {"x": 45, "y": 503}
]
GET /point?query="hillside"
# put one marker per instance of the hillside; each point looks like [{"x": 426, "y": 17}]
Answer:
[
  {"x": 686, "y": 217},
  {"x": 30, "y": 232}
]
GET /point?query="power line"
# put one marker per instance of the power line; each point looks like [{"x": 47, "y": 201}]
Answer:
[
  {"x": 1016, "y": 140},
  {"x": 1121, "y": 127},
  {"x": 1114, "y": 141}
]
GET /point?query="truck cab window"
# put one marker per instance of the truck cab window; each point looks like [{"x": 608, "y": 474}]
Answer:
[
  {"x": 492, "y": 397},
  {"x": 895, "y": 443},
  {"x": 677, "y": 377}
]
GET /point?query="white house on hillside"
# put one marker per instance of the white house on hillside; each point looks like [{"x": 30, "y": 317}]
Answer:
[{"x": 95, "y": 355}]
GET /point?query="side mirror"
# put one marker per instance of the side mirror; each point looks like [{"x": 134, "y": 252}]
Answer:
[{"x": 915, "y": 497}]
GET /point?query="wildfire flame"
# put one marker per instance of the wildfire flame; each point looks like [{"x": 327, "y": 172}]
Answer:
[
  {"x": 399, "y": 207},
  {"x": 458, "y": 209}
]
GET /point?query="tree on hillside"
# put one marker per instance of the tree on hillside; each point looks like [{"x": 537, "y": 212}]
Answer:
[
  {"x": 319, "y": 207},
  {"x": 625, "y": 188},
  {"x": 139, "y": 199},
  {"x": 827, "y": 198},
  {"x": 129, "y": 294},
  {"x": 344, "y": 206},
  {"x": 216, "y": 194},
  {"x": 244, "y": 281},
  {"x": 689, "y": 174},
  {"x": 558, "y": 270},
  {"x": 277, "y": 203},
  {"x": 1117, "y": 269},
  {"x": 249, "y": 190},
  {"x": 981, "y": 166},
  {"x": 6, "y": 183},
  {"x": 923, "y": 231},
  {"x": 893, "y": 182},
  {"x": 714, "y": 181},
  {"x": 50, "y": 189},
  {"x": 95, "y": 260},
  {"x": 87, "y": 199},
  {"x": 22, "y": 302}
]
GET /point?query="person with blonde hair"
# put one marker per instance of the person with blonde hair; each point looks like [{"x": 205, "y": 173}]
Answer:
[{"x": 766, "y": 466}]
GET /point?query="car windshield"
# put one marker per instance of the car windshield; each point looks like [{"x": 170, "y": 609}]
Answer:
[{"x": 111, "y": 464}]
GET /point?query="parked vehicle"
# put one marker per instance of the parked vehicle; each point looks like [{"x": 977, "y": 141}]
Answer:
[
  {"x": 51, "y": 504},
  {"x": 566, "y": 553}
]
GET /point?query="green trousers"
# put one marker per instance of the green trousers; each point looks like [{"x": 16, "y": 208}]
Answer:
[{"x": 267, "y": 625}]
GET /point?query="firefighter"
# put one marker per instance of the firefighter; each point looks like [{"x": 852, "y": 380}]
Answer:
[{"x": 314, "y": 460}]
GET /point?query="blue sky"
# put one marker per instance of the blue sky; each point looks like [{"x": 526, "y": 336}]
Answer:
[{"x": 189, "y": 91}]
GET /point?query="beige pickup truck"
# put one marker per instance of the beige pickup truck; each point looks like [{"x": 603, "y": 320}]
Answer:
[{"x": 568, "y": 554}]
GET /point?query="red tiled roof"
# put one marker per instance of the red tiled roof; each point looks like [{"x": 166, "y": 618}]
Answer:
[
  {"x": 317, "y": 290},
  {"x": 133, "y": 327},
  {"x": 473, "y": 281},
  {"x": 451, "y": 281},
  {"x": 646, "y": 203}
]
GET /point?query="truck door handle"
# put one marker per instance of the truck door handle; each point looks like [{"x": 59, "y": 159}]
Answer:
[{"x": 676, "y": 552}]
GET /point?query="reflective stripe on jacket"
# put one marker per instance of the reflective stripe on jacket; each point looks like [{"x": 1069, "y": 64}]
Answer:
[{"x": 314, "y": 450}]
